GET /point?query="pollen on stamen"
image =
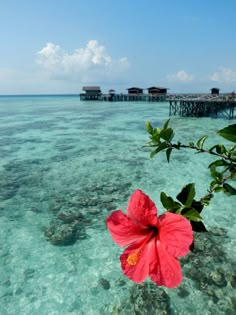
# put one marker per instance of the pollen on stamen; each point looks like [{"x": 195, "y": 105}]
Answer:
[{"x": 133, "y": 258}]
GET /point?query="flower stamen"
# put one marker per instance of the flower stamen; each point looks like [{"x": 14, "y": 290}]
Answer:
[{"x": 133, "y": 258}]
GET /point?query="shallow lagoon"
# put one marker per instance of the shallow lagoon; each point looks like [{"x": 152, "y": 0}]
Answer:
[{"x": 68, "y": 163}]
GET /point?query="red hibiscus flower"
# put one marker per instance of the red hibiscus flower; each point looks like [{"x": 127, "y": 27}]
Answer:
[{"x": 154, "y": 243}]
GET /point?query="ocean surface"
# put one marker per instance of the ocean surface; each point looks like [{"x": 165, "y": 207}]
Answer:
[{"x": 65, "y": 165}]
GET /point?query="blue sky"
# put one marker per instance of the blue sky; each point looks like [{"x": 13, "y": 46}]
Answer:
[{"x": 57, "y": 46}]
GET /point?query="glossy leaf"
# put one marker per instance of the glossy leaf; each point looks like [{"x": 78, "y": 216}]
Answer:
[
  {"x": 157, "y": 130},
  {"x": 212, "y": 148},
  {"x": 213, "y": 183},
  {"x": 220, "y": 149},
  {"x": 206, "y": 201},
  {"x": 191, "y": 214},
  {"x": 219, "y": 189},
  {"x": 233, "y": 174},
  {"x": 218, "y": 163},
  {"x": 187, "y": 194},
  {"x": 228, "y": 133},
  {"x": 198, "y": 206},
  {"x": 168, "y": 202},
  {"x": 232, "y": 152},
  {"x": 149, "y": 127},
  {"x": 168, "y": 152},
  {"x": 198, "y": 226},
  {"x": 161, "y": 147},
  {"x": 150, "y": 144},
  {"x": 167, "y": 134},
  {"x": 165, "y": 126},
  {"x": 201, "y": 141},
  {"x": 229, "y": 189},
  {"x": 232, "y": 155},
  {"x": 217, "y": 176},
  {"x": 233, "y": 147}
]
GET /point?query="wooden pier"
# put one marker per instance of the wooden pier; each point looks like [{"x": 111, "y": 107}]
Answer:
[
  {"x": 134, "y": 97},
  {"x": 135, "y": 94},
  {"x": 205, "y": 105},
  {"x": 186, "y": 105}
]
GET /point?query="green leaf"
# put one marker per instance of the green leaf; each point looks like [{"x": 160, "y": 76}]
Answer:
[
  {"x": 157, "y": 130},
  {"x": 233, "y": 148},
  {"x": 232, "y": 154},
  {"x": 233, "y": 174},
  {"x": 168, "y": 202},
  {"x": 198, "y": 206},
  {"x": 219, "y": 189},
  {"x": 218, "y": 163},
  {"x": 168, "y": 152},
  {"x": 198, "y": 226},
  {"x": 161, "y": 147},
  {"x": 201, "y": 141},
  {"x": 167, "y": 134},
  {"x": 175, "y": 210},
  {"x": 212, "y": 148},
  {"x": 149, "y": 127},
  {"x": 166, "y": 123},
  {"x": 187, "y": 194},
  {"x": 206, "y": 200},
  {"x": 191, "y": 214},
  {"x": 220, "y": 149},
  {"x": 213, "y": 183},
  {"x": 228, "y": 188},
  {"x": 216, "y": 176},
  {"x": 151, "y": 144},
  {"x": 156, "y": 138},
  {"x": 228, "y": 133}
]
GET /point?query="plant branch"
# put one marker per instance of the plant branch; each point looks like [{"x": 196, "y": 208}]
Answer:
[
  {"x": 210, "y": 191},
  {"x": 225, "y": 157}
]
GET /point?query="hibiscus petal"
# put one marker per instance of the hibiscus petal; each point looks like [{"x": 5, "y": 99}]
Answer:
[
  {"x": 166, "y": 269},
  {"x": 141, "y": 209},
  {"x": 175, "y": 233},
  {"x": 123, "y": 230},
  {"x": 135, "y": 261}
]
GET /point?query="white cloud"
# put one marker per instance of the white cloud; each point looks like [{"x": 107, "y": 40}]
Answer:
[
  {"x": 225, "y": 75},
  {"x": 180, "y": 76},
  {"x": 91, "y": 63}
]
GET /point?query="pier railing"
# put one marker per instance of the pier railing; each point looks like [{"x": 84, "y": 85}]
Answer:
[
  {"x": 156, "y": 97},
  {"x": 184, "y": 104},
  {"x": 203, "y": 105}
]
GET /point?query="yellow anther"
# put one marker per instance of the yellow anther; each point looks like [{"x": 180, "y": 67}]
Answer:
[{"x": 133, "y": 258}]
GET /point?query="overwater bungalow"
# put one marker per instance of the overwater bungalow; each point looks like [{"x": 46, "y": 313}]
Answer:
[
  {"x": 111, "y": 92},
  {"x": 111, "y": 96},
  {"x": 135, "y": 94},
  {"x": 156, "y": 90},
  {"x": 135, "y": 91},
  {"x": 215, "y": 91},
  {"x": 91, "y": 93}
]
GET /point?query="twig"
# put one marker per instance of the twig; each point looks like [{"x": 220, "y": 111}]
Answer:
[
  {"x": 215, "y": 186},
  {"x": 225, "y": 157}
]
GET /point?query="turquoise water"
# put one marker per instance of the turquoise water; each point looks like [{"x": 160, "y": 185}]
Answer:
[{"x": 65, "y": 165}]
